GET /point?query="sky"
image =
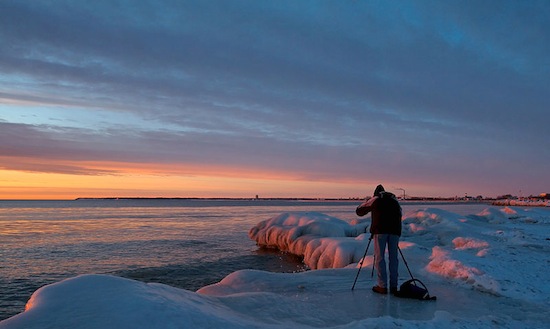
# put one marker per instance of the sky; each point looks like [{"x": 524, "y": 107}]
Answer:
[{"x": 273, "y": 98}]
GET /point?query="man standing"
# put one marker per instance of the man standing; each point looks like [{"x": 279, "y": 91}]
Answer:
[{"x": 385, "y": 230}]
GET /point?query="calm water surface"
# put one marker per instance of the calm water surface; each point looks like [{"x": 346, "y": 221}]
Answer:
[{"x": 183, "y": 243}]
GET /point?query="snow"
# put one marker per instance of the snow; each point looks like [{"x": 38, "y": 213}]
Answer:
[
  {"x": 488, "y": 270},
  {"x": 523, "y": 202},
  {"x": 322, "y": 240}
]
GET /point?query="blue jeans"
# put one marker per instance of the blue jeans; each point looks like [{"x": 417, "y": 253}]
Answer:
[{"x": 380, "y": 242}]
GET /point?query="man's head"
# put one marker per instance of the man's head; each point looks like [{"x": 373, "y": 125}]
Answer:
[{"x": 379, "y": 189}]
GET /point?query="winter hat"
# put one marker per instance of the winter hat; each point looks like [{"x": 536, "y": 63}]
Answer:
[{"x": 379, "y": 189}]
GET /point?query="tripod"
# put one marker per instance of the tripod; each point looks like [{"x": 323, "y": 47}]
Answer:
[{"x": 363, "y": 259}]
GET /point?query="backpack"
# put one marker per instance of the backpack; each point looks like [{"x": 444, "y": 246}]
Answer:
[{"x": 410, "y": 289}]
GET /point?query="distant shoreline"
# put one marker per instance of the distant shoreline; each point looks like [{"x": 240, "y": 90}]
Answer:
[
  {"x": 419, "y": 199},
  {"x": 495, "y": 202},
  {"x": 411, "y": 200}
]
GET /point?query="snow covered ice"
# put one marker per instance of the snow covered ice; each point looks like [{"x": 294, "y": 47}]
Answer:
[{"x": 488, "y": 270}]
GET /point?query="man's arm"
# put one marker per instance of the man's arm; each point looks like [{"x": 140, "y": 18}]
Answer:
[{"x": 365, "y": 207}]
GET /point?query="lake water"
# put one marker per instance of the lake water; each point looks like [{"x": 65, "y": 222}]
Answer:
[{"x": 182, "y": 243}]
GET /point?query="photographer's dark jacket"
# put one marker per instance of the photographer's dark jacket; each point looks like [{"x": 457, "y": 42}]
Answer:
[{"x": 386, "y": 213}]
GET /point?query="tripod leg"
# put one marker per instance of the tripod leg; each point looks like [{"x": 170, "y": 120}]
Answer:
[
  {"x": 361, "y": 264},
  {"x": 405, "y": 261}
]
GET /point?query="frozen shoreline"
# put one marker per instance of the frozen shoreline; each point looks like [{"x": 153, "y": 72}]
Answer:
[
  {"x": 486, "y": 270},
  {"x": 522, "y": 203}
]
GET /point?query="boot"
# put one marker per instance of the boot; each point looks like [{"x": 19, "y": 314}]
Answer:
[{"x": 380, "y": 290}]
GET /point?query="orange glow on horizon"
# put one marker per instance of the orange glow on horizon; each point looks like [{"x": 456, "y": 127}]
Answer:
[
  {"x": 99, "y": 168},
  {"x": 27, "y": 178},
  {"x": 30, "y": 185}
]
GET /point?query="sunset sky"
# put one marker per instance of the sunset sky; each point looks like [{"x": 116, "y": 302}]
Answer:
[{"x": 273, "y": 98}]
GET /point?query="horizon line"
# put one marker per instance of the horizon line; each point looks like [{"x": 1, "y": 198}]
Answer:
[{"x": 413, "y": 198}]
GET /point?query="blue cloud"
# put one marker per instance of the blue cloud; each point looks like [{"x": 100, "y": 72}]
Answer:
[{"x": 431, "y": 89}]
